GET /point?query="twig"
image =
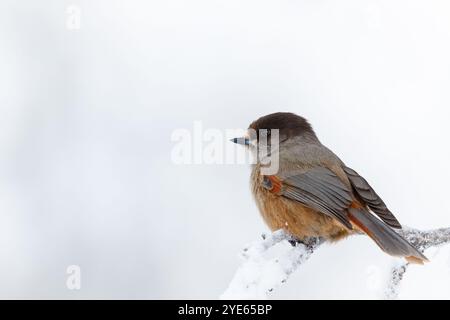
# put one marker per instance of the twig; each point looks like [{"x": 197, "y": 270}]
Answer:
[{"x": 396, "y": 276}]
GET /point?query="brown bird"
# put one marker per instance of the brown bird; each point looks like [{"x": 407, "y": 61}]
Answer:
[{"x": 313, "y": 193}]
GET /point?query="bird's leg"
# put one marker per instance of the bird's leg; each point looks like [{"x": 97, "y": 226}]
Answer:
[{"x": 309, "y": 242}]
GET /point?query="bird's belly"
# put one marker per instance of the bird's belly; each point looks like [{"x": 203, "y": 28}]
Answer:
[{"x": 298, "y": 220}]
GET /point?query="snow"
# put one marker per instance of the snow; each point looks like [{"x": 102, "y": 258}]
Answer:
[{"x": 261, "y": 272}]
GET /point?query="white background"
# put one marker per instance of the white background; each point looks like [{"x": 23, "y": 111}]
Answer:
[{"x": 86, "y": 118}]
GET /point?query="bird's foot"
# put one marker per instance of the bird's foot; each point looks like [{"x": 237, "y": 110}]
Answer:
[{"x": 309, "y": 242}]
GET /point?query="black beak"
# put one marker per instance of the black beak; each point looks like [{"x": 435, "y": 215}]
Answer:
[{"x": 243, "y": 141}]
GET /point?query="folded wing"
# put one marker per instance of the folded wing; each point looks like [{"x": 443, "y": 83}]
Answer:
[
  {"x": 319, "y": 189},
  {"x": 368, "y": 196}
]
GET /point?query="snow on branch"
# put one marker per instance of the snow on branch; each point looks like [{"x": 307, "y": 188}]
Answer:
[{"x": 259, "y": 274}]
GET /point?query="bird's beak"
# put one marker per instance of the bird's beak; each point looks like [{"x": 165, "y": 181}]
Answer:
[{"x": 243, "y": 141}]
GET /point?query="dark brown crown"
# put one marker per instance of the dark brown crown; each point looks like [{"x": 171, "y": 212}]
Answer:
[{"x": 288, "y": 124}]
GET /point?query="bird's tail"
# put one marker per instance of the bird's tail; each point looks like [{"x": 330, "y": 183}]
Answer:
[{"x": 385, "y": 237}]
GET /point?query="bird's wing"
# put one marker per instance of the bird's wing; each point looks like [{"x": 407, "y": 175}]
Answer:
[
  {"x": 322, "y": 190},
  {"x": 370, "y": 198},
  {"x": 318, "y": 188}
]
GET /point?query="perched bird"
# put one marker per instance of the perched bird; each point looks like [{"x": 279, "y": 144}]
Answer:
[{"x": 314, "y": 194}]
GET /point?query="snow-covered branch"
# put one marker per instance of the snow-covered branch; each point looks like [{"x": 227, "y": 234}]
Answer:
[{"x": 260, "y": 274}]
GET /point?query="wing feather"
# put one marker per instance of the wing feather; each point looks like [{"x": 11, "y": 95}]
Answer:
[
  {"x": 321, "y": 190},
  {"x": 371, "y": 198}
]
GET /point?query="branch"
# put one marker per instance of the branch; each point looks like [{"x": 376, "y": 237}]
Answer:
[{"x": 260, "y": 275}]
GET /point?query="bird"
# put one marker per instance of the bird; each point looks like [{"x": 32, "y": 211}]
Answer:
[{"x": 314, "y": 194}]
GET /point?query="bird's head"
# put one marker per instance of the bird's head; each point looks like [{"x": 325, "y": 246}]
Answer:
[{"x": 285, "y": 125}]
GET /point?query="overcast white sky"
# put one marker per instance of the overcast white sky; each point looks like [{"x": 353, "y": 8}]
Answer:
[{"x": 86, "y": 118}]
